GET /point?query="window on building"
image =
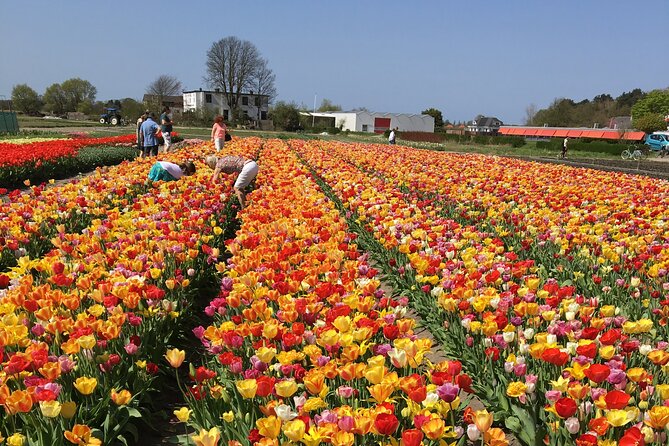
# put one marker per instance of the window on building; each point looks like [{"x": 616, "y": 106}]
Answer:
[
  {"x": 364, "y": 127},
  {"x": 246, "y": 113},
  {"x": 207, "y": 98},
  {"x": 225, "y": 115},
  {"x": 263, "y": 115},
  {"x": 256, "y": 101},
  {"x": 245, "y": 100}
]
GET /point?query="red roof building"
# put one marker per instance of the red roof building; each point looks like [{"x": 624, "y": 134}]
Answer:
[{"x": 561, "y": 132}]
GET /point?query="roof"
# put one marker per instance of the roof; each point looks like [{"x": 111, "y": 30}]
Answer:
[
  {"x": 561, "y": 132},
  {"x": 356, "y": 112},
  {"x": 220, "y": 92},
  {"x": 170, "y": 99}
]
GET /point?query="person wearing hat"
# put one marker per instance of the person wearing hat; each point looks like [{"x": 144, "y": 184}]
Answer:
[
  {"x": 246, "y": 168},
  {"x": 148, "y": 135}
]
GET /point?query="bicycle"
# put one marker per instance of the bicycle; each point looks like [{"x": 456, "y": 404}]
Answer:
[{"x": 636, "y": 152}]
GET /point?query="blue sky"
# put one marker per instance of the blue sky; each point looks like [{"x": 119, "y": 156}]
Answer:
[{"x": 461, "y": 57}]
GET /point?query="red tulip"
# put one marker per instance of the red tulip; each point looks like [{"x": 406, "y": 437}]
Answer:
[
  {"x": 632, "y": 437},
  {"x": 412, "y": 437},
  {"x": 586, "y": 440},
  {"x": 565, "y": 407},
  {"x": 386, "y": 423},
  {"x": 588, "y": 350},
  {"x": 555, "y": 356},
  {"x": 616, "y": 399},
  {"x": 597, "y": 372}
]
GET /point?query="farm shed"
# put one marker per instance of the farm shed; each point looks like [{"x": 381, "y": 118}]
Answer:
[
  {"x": 374, "y": 122},
  {"x": 562, "y": 132}
]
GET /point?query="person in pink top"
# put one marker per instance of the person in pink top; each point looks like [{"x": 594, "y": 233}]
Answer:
[{"x": 218, "y": 132}]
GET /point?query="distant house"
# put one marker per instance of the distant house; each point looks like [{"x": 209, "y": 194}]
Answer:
[
  {"x": 377, "y": 122},
  {"x": 620, "y": 123},
  {"x": 485, "y": 125},
  {"x": 175, "y": 103},
  {"x": 251, "y": 105},
  {"x": 455, "y": 129}
]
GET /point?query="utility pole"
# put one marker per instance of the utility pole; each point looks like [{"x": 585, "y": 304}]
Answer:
[{"x": 313, "y": 115}]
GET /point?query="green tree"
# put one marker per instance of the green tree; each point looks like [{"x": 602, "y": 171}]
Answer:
[
  {"x": 655, "y": 102},
  {"x": 131, "y": 109},
  {"x": 649, "y": 123},
  {"x": 436, "y": 114},
  {"x": 77, "y": 92},
  {"x": 25, "y": 99},
  {"x": 55, "y": 100},
  {"x": 286, "y": 116},
  {"x": 328, "y": 106}
]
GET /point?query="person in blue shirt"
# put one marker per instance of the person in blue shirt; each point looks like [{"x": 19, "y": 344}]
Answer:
[{"x": 148, "y": 135}]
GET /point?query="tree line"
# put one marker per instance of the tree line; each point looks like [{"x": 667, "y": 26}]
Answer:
[{"x": 647, "y": 109}]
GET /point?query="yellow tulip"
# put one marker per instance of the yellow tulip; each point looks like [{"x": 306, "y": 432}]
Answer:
[
  {"x": 434, "y": 428},
  {"x": 207, "y": 437},
  {"x": 155, "y": 273},
  {"x": 294, "y": 430},
  {"x": 85, "y": 385},
  {"x": 68, "y": 409},
  {"x": 16, "y": 440},
  {"x": 269, "y": 427},
  {"x": 183, "y": 414},
  {"x": 515, "y": 389},
  {"x": 266, "y": 354},
  {"x": 482, "y": 420},
  {"x": 375, "y": 374},
  {"x": 228, "y": 417},
  {"x": 663, "y": 391},
  {"x": 286, "y": 388},
  {"x": 658, "y": 417},
  {"x": 617, "y": 417},
  {"x": 247, "y": 388},
  {"x": 175, "y": 357},
  {"x": 50, "y": 409},
  {"x": 87, "y": 342},
  {"x": 342, "y": 438},
  {"x": 121, "y": 398}
]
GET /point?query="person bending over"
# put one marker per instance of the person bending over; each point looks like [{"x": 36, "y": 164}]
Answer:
[
  {"x": 166, "y": 171},
  {"x": 246, "y": 168}
]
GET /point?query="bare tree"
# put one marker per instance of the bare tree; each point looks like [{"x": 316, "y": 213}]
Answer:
[
  {"x": 164, "y": 86},
  {"x": 263, "y": 83},
  {"x": 530, "y": 113},
  {"x": 231, "y": 66}
]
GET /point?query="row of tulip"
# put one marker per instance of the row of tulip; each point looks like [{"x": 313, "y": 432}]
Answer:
[
  {"x": 305, "y": 347},
  {"x": 84, "y": 325},
  {"x": 549, "y": 290},
  {"x": 37, "y": 152}
]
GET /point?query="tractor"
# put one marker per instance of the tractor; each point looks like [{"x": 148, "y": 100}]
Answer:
[{"x": 111, "y": 116}]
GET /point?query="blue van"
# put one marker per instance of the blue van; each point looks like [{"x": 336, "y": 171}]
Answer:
[{"x": 658, "y": 141}]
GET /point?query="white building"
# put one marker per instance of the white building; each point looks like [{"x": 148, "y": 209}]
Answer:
[
  {"x": 253, "y": 106},
  {"x": 373, "y": 122}
]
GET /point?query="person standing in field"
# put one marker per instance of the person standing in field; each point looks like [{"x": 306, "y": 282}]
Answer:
[
  {"x": 247, "y": 169},
  {"x": 138, "y": 131},
  {"x": 391, "y": 137},
  {"x": 564, "y": 148},
  {"x": 166, "y": 127},
  {"x": 148, "y": 132},
  {"x": 218, "y": 132}
]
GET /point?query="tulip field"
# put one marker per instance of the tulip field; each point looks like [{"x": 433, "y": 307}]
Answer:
[{"x": 296, "y": 320}]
